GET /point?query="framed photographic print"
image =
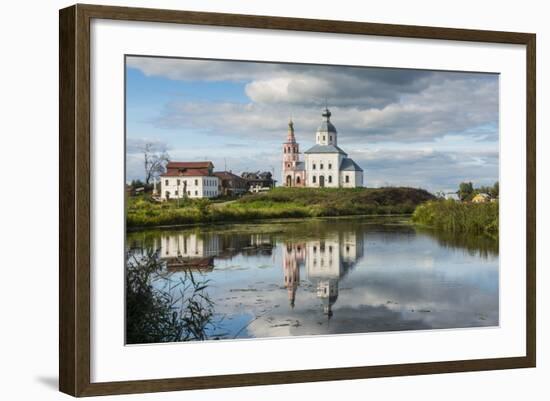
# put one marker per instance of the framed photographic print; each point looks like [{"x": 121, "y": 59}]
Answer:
[{"x": 250, "y": 200}]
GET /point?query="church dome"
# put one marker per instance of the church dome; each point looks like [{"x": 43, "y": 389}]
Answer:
[{"x": 326, "y": 125}]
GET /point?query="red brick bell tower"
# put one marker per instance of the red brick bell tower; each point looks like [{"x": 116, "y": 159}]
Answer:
[{"x": 293, "y": 169}]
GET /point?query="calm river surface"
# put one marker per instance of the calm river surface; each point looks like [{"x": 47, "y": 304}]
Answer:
[{"x": 332, "y": 276}]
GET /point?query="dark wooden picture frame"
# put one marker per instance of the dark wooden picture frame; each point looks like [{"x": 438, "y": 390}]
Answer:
[{"x": 74, "y": 202}]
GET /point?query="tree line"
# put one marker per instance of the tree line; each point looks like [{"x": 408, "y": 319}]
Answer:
[{"x": 466, "y": 191}]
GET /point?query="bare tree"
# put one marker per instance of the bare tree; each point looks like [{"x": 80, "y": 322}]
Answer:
[{"x": 154, "y": 160}]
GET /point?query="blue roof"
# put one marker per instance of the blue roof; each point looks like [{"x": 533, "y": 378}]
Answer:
[
  {"x": 300, "y": 166},
  {"x": 349, "y": 165},
  {"x": 326, "y": 126},
  {"x": 325, "y": 149}
]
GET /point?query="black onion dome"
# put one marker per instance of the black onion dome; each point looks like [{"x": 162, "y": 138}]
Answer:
[{"x": 326, "y": 126}]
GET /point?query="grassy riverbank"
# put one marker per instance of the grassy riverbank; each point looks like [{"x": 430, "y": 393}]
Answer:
[
  {"x": 459, "y": 217},
  {"x": 276, "y": 204}
]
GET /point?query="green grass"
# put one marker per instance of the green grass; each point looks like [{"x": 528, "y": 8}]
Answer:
[
  {"x": 278, "y": 203},
  {"x": 458, "y": 217}
]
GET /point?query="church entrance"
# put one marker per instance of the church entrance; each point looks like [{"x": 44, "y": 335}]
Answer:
[
  {"x": 288, "y": 181},
  {"x": 322, "y": 181}
]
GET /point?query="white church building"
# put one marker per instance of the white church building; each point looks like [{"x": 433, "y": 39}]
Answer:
[{"x": 325, "y": 164}]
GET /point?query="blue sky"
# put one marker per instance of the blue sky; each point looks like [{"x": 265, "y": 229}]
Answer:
[{"x": 415, "y": 128}]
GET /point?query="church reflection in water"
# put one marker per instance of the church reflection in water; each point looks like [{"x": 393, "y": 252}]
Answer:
[{"x": 325, "y": 261}]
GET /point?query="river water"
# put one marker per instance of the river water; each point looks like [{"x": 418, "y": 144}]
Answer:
[{"x": 332, "y": 276}]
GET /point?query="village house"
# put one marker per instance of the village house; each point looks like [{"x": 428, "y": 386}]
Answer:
[
  {"x": 231, "y": 184},
  {"x": 481, "y": 198},
  {"x": 452, "y": 196},
  {"x": 189, "y": 179},
  {"x": 325, "y": 165},
  {"x": 258, "y": 182}
]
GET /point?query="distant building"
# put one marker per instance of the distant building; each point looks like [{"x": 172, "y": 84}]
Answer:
[
  {"x": 133, "y": 191},
  {"x": 258, "y": 182},
  {"x": 231, "y": 184},
  {"x": 481, "y": 198},
  {"x": 189, "y": 179},
  {"x": 325, "y": 165},
  {"x": 452, "y": 196}
]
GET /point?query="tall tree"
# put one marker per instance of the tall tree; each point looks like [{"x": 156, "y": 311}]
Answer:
[
  {"x": 495, "y": 190},
  {"x": 154, "y": 161},
  {"x": 465, "y": 190}
]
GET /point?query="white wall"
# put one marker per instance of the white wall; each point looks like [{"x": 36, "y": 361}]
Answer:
[
  {"x": 197, "y": 187},
  {"x": 28, "y": 338},
  {"x": 334, "y": 159},
  {"x": 355, "y": 179}
]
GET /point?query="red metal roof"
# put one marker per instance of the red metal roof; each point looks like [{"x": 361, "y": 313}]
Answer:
[
  {"x": 190, "y": 172},
  {"x": 205, "y": 164}
]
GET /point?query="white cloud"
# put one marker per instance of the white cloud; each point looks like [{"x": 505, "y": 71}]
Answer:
[
  {"x": 450, "y": 107},
  {"x": 404, "y": 127},
  {"x": 430, "y": 169}
]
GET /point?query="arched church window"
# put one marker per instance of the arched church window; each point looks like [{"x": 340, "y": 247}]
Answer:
[
  {"x": 297, "y": 180},
  {"x": 329, "y": 178},
  {"x": 330, "y": 137},
  {"x": 314, "y": 179},
  {"x": 313, "y": 169}
]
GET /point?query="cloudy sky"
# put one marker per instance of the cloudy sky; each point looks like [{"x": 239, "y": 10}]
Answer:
[{"x": 427, "y": 129}]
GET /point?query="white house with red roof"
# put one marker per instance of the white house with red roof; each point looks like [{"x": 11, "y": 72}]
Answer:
[{"x": 189, "y": 180}]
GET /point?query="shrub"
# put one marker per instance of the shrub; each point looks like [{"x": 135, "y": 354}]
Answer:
[{"x": 449, "y": 215}]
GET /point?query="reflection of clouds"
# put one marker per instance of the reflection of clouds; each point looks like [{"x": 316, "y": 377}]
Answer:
[
  {"x": 360, "y": 319},
  {"x": 381, "y": 302},
  {"x": 405, "y": 282}
]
